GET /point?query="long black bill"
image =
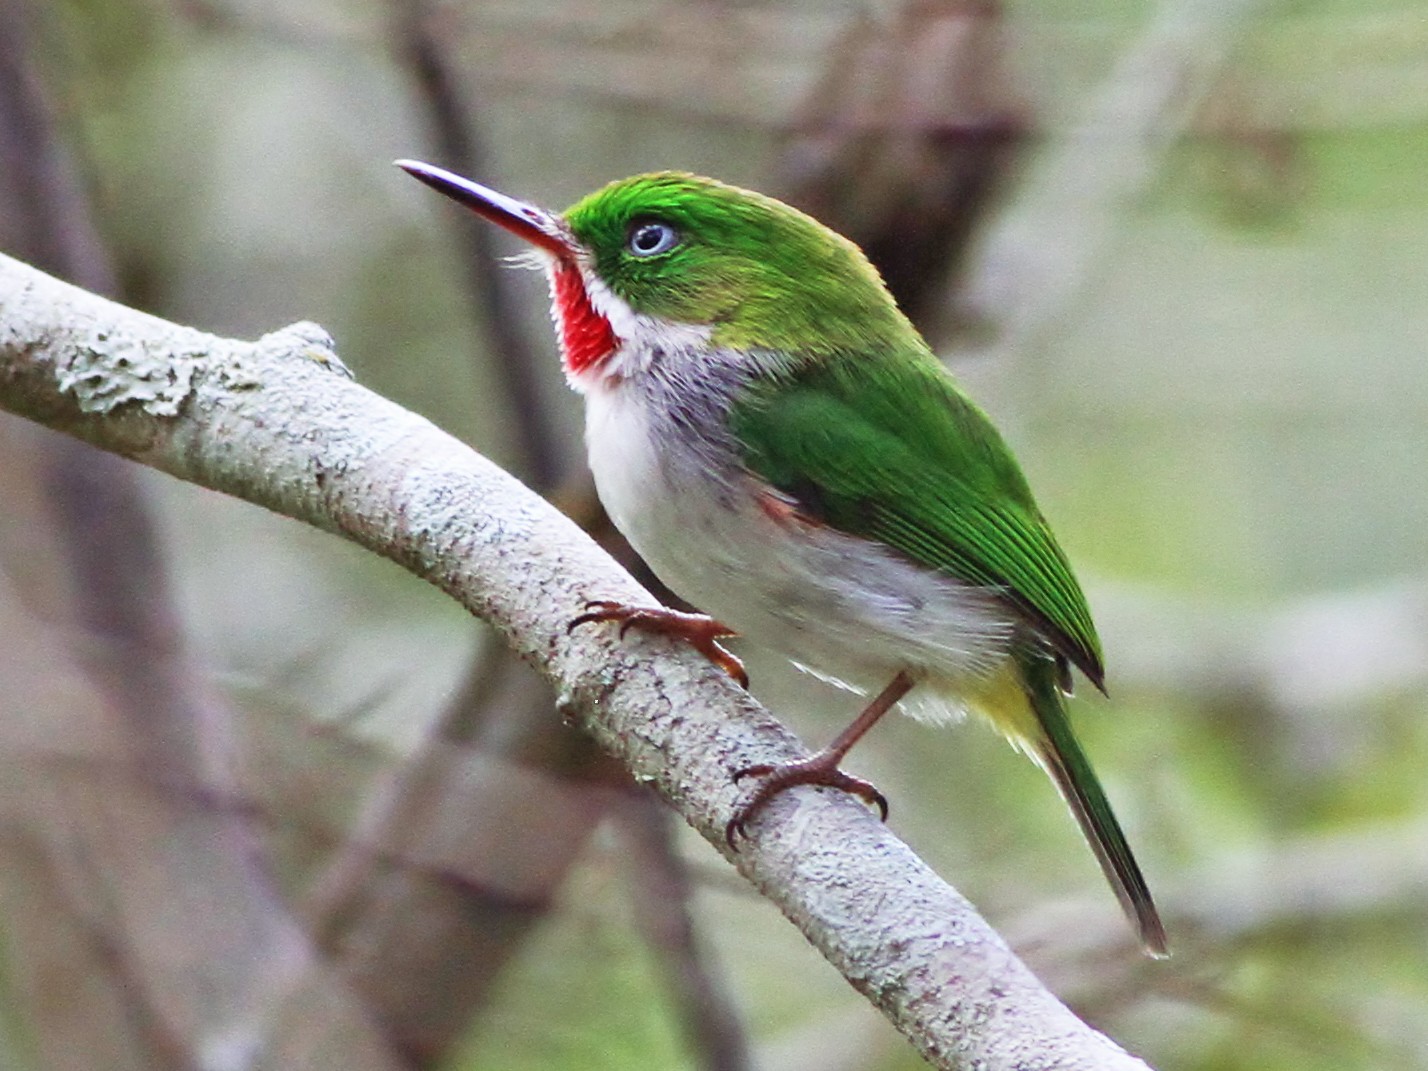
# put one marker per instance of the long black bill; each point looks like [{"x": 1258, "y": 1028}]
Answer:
[{"x": 535, "y": 225}]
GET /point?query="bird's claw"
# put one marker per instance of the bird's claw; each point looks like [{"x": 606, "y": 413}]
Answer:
[
  {"x": 753, "y": 771},
  {"x": 595, "y": 610},
  {"x": 698, "y": 630},
  {"x": 818, "y": 770}
]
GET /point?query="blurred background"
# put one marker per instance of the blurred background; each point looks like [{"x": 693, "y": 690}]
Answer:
[{"x": 266, "y": 801}]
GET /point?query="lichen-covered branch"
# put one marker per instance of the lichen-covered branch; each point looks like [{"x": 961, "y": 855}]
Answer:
[{"x": 277, "y": 422}]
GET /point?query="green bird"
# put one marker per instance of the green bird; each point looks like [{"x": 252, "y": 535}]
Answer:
[{"x": 778, "y": 442}]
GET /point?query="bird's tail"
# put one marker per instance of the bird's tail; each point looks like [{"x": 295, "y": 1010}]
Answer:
[{"x": 1056, "y": 749}]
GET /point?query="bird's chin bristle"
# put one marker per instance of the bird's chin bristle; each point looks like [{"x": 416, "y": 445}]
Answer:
[{"x": 530, "y": 260}]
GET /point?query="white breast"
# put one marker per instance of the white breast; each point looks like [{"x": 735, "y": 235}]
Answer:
[{"x": 837, "y": 605}]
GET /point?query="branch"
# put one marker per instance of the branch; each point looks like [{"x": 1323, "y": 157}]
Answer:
[{"x": 274, "y": 423}]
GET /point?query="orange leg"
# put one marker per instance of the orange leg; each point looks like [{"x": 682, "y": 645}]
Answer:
[
  {"x": 698, "y": 630},
  {"x": 821, "y": 768}
]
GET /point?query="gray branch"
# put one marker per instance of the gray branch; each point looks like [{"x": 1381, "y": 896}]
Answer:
[{"x": 279, "y": 423}]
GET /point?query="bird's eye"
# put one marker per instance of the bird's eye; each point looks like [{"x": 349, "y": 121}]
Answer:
[{"x": 650, "y": 238}]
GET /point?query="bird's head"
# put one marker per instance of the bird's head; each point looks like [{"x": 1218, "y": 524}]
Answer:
[{"x": 669, "y": 258}]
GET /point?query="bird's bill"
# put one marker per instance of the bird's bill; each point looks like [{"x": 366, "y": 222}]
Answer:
[{"x": 536, "y": 225}]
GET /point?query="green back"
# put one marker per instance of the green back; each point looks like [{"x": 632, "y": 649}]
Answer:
[{"x": 891, "y": 450}]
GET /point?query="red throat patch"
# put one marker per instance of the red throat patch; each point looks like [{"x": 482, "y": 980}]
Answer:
[{"x": 586, "y": 337}]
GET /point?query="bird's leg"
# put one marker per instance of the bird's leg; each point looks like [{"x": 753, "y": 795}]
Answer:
[
  {"x": 698, "y": 630},
  {"x": 821, "y": 768}
]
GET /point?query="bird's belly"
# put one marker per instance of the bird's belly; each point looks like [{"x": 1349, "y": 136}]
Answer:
[{"x": 841, "y": 606}]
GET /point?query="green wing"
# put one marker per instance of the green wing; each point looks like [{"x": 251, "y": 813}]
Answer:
[{"x": 892, "y": 450}]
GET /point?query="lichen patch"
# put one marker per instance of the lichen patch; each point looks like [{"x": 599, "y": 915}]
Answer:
[{"x": 106, "y": 373}]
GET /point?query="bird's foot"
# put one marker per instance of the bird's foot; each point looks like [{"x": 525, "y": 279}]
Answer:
[
  {"x": 819, "y": 769},
  {"x": 700, "y": 631}
]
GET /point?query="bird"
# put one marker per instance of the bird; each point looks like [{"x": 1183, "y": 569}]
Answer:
[{"x": 784, "y": 450}]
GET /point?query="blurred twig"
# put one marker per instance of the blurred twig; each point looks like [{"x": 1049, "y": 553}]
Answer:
[
  {"x": 663, "y": 892},
  {"x": 294, "y": 25},
  {"x": 1316, "y": 667},
  {"x": 422, "y": 33},
  {"x": 1042, "y": 251},
  {"x": 46, "y": 215},
  {"x": 907, "y": 137},
  {"x": 456, "y": 853},
  {"x": 1323, "y": 880}
]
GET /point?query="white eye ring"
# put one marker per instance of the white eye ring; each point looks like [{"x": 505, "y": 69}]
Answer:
[{"x": 651, "y": 238}]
